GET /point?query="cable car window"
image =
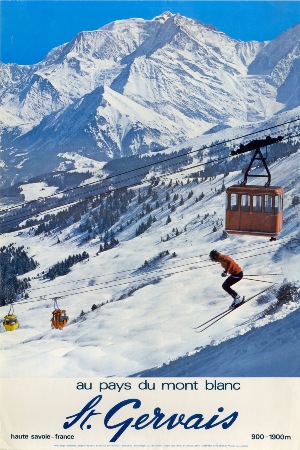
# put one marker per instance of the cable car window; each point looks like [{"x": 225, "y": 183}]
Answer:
[
  {"x": 245, "y": 203},
  {"x": 233, "y": 202},
  {"x": 257, "y": 203},
  {"x": 268, "y": 203},
  {"x": 278, "y": 203}
]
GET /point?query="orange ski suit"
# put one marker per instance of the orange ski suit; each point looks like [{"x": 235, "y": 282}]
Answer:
[{"x": 229, "y": 264}]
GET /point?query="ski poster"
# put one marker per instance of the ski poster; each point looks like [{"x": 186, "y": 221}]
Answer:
[{"x": 149, "y": 220}]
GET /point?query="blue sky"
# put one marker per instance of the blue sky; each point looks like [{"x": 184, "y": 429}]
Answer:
[{"x": 29, "y": 29}]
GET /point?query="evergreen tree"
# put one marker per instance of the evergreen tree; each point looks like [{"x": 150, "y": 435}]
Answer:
[
  {"x": 14, "y": 262},
  {"x": 63, "y": 267}
]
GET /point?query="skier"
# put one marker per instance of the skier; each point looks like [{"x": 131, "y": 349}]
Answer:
[{"x": 230, "y": 268}]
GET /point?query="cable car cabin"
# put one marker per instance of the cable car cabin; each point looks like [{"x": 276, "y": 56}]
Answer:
[
  {"x": 10, "y": 322},
  {"x": 59, "y": 319},
  {"x": 254, "y": 210}
]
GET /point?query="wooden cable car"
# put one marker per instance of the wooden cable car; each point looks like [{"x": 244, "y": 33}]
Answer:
[
  {"x": 59, "y": 318},
  {"x": 255, "y": 210},
  {"x": 10, "y": 321}
]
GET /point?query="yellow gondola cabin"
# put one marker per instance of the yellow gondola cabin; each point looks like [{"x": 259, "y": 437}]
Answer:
[{"x": 10, "y": 321}]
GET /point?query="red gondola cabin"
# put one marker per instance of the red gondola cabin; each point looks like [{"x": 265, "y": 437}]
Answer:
[{"x": 254, "y": 210}]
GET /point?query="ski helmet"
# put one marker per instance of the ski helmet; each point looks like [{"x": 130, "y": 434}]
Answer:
[{"x": 214, "y": 255}]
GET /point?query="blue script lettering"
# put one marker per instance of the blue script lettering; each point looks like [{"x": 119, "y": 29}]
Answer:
[
  {"x": 121, "y": 425},
  {"x": 86, "y": 408},
  {"x": 157, "y": 419}
]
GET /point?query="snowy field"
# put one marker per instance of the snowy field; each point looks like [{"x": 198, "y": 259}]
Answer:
[
  {"x": 33, "y": 191},
  {"x": 145, "y": 324}
]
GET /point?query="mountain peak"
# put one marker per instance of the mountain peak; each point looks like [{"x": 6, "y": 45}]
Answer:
[
  {"x": 163, "y": 17},
  {"x": 136, "y": 85}
]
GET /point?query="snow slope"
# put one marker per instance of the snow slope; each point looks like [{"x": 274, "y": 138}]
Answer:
[
  {"x": 148, "y": 310},
  {"x": 263, "y": 351}
]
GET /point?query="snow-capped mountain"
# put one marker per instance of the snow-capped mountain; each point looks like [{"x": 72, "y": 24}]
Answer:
[
  {"x": 137, "y": 85},
  {"x": 279, "y": 60}
]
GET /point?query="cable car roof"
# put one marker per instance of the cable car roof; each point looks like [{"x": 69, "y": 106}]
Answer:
[{"x": 255, "y": 189}]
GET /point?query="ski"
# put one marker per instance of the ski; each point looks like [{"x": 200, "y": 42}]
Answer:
[
  {"x": 220, "y": 316},
  {"x": 209, "y": 320}
]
